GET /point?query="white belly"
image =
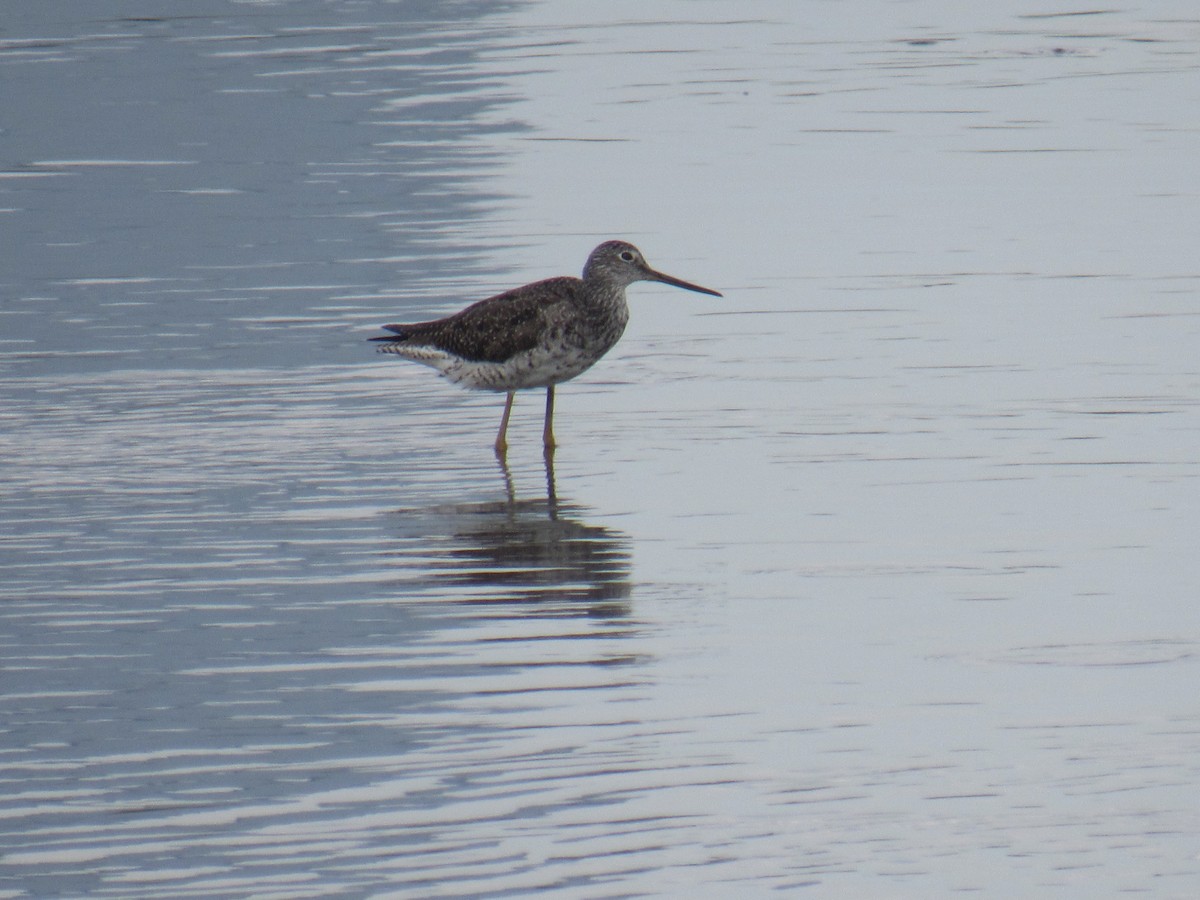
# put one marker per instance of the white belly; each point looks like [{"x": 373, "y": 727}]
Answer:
[{"x": 531, "y": 369}]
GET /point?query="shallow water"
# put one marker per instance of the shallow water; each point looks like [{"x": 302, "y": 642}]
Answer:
[{"x": 874, "y": 578}]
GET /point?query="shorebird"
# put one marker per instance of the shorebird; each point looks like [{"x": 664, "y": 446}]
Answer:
[{"x": 538, "y": 335}]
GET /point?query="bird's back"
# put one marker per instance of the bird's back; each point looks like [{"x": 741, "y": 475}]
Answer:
[
  {"x": 492, "y": 330},
  {"x": 532, "y": 336}
]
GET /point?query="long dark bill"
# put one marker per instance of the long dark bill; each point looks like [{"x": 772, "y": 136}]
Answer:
[{"x": 680, "y": 283}]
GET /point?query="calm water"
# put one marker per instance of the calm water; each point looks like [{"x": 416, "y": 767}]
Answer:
[{"x": 876, "y": 578}]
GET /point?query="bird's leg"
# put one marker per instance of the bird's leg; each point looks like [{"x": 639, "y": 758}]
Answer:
[
  {"x": 501, "y": 443},
  {"x": 551, "y": 493},
  {"x": 548, "y": 430}
]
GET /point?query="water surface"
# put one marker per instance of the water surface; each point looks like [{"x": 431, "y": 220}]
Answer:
[{"x": 874, "y": 578}]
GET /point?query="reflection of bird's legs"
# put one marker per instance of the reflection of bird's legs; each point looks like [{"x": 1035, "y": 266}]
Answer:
[
  {"x": 501, "y": 443},
  {"x": 548, "y": 430},
  {"x": 509, "y": 490}
]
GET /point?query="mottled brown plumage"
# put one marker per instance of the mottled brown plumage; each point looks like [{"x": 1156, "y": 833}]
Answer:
[
  {"x": 492, "y": 330},
  {"x": 537, "y": 335}
]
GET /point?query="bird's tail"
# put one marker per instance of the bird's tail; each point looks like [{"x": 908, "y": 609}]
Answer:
[{"x": 399, "y": 333}]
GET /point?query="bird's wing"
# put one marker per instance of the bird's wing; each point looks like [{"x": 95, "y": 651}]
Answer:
[{"x": 495, "y": 329}]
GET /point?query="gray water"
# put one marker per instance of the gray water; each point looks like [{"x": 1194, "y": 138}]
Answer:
[{"x": 875, "y": 578}]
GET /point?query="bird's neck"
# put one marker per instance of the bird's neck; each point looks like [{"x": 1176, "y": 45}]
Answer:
[{"x": 602, "y": 298}]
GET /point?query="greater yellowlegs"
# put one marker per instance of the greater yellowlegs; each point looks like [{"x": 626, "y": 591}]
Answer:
[{"x": 533, "y": 336}]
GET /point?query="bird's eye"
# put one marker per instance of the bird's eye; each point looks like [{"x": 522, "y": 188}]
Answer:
[{"x": 627, "y": 256}]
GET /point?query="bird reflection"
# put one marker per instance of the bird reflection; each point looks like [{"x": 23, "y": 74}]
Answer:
[{"x": 533, "y": 551}]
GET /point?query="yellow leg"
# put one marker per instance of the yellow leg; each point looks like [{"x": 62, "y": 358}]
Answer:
[
  {"x": 501, "y": 443},
  {"x": 548, "y": 430},
  {"x": 551, "y": 493}
]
